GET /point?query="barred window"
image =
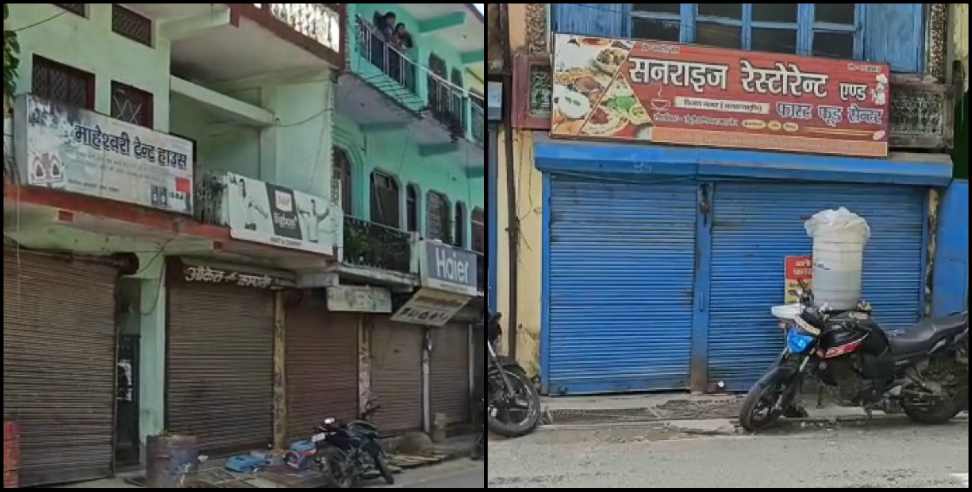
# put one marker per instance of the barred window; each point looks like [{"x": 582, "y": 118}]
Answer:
[
  {"x": 438, "y": 217},
  {"x": 131, "y": 104},
  {"x": 57, "y": 82},
  {"x": 460, "y": 222},
  {"x": 131, "y": 25},
  {"x": 342, "y": 174},
  {"x": 478, "y": 230},
  {"x": 411, "y": 207},
  {"x": 384, "y": 199}
]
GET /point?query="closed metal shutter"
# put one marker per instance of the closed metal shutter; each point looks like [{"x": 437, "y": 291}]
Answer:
[
  {"x": 322, "y": 366},
  {"x": 396, "y": 375},
  {"x": 220, "y": 365},
  {"x": 59, "y": 365},
  {"x": 621, "y": 275},
  {"x": 756, "y": 225},
  {"x": 449, "y": 378}
]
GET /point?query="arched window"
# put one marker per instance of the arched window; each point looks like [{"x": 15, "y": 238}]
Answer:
[
  {"x": 460, "y": 222},
  {"x": 411, "y": 207},
  {"x": 437, "y": 222},
  {"x": 342, "y": 178},
  {"x": 384, "y": 199},
  {"x": 478, "y": 230}
]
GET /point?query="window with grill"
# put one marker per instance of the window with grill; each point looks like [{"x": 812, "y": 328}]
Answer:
[
  {"x": 460, "y": 222},
  {"x": 437, "y": 226},
  {"x": 341, "y": 171},
  {"x": 411, "y": 207},
  {"x": 478, "y": 230},
  {"x": 131, "y": 104},
  {"x": 384, "y": 199},
  {"x": 77, "y": 8},
  {"x": 57, "y": 82},
  {"x": 131, "y": 25},
  {"x": 830, "y": 30}
]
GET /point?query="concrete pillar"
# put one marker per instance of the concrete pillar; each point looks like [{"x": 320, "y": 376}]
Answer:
[{"x": 279, "y": 372}]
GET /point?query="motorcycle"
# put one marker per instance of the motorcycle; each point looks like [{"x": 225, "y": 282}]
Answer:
[
  {"x": 348, "y": 452},
  {"x": 923, "y": 370},
  {"x": 512, "y": 403}
]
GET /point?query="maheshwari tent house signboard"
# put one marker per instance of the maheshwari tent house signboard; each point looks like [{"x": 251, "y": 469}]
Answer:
[{"x": 686, "y": 94}]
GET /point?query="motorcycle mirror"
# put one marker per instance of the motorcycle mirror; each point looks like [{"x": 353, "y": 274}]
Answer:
[{"x": 329, "y": 421}]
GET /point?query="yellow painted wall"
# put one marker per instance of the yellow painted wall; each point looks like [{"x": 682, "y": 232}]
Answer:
[{"x": 529, "y": 201}]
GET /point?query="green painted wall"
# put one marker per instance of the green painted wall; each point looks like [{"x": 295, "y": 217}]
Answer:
[
  {"x": 89, "y": 44},
  {"x": 395, "y": 152},
  {"x": 423, "y": 45}
]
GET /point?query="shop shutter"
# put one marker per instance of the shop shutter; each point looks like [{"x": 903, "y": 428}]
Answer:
[
  {"x": 396, "y": 375},
  {"x": 756, "y": 225},
  {"x": 59, "y": 365},
  {"x": 220, "y": 365},
  {"x": 322, "y": 366},
  {"x": 449, "y": 378},
  {"x": 621, "y": 273}
]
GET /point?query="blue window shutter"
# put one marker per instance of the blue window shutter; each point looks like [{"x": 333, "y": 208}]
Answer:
[
  {"x": 894, "y": 35},
  {"x": 592, "y": 19}
]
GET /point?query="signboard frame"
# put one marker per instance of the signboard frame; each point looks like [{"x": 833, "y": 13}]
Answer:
[
  {"x": 672, "y": 93},
  {"x": 464, "y": 262},
  {"x": 431, "y": 307},
  {"x": 353, "y": 298}
]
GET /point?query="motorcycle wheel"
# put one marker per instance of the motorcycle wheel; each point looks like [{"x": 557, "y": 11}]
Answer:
[
  {"x": 524, "y": 389},
  {"x": 939, "y": 413},
  {"x": 757, "y": 410},
  {"x": 332, "y": 465}
]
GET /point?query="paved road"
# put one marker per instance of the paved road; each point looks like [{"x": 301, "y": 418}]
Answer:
[
  {"x": 461, "y": 473},
  {"x": 893, "y": 453}
]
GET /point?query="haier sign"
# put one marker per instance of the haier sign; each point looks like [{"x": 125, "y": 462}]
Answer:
[{"x": 448, "y": 268}]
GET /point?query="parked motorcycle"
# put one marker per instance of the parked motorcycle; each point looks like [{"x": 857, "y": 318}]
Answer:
[
  {"x": 348, "y": 452},
  {"x": 923, "y": 370},
  {"x": 512, "y": 402}
]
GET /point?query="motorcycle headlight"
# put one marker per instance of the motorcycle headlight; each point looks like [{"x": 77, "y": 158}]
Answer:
[{"x": 797, "y": 342}]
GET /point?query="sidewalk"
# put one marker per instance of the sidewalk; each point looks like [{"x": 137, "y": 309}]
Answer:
[{"x": 703, "y": 413}]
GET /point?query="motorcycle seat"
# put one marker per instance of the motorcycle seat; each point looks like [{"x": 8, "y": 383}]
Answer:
[{"x": 924, "y": 335}]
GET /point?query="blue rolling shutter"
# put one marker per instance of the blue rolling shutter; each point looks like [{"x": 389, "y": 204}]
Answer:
[
  {"x": 755, "y": 225},
  {"x": 591, "y": 19},
  {"x": 621, "y": 272}
]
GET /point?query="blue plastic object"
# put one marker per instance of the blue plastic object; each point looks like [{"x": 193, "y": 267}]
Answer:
[
  {"x": 245, "y": 463},
  {"x": 797, "y": 342}
]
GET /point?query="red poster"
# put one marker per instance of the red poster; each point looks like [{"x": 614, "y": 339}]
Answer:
[
  {"x": 798, "y": 269},
  {"x": 692, "y": 95}
]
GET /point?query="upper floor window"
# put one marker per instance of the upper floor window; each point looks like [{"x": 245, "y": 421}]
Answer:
[
  {"x": 411, "y": 207},
  {"x": 77, "y": 8},
  {"x": 342, "y": 178},
  {"x": 57, "y": 82},
  {"x": 437, "y": 224},
  {"x": 478, "y": 230},
  {"x": 131, "y": 25},
  {"x": 460, "y": 222},
  {"x": 131, "y": 104},
  {"x": 830, "y": 30},
  {"x": 384, "y": 199}
]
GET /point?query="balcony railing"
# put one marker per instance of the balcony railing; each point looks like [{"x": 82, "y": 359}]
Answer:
[
  {"x": 447, "y": 103},
  {"x": 314, "y": 20},
  {"x": 392, "y": 62},
  {"x": 374, "y": 245},
  {"x": 478, "y": 128}
]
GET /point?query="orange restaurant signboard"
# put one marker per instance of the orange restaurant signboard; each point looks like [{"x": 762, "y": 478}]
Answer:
[{"x": 674, "y": 93}]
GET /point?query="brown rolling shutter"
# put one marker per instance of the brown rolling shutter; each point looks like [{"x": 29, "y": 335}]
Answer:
[
  {"x": 396, "y": 375},
  {"x": 220, "y": 365},
  {"x": 449, "y": 378},
  {"x": 322, "y": 366},
  {"x": 59, "y": 365}
]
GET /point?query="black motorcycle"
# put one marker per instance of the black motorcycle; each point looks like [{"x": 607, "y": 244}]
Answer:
[
  {"x": 923, "y": 370},
  {"x": 512, "y": 402},
  {"x": 348, "y": 452}
]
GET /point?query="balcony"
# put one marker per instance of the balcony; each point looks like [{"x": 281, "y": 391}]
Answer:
[
  {"x": 383, "y": 73},
  {"x": 368, "y": 244},
  {"x": 478, "y": 127}
]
